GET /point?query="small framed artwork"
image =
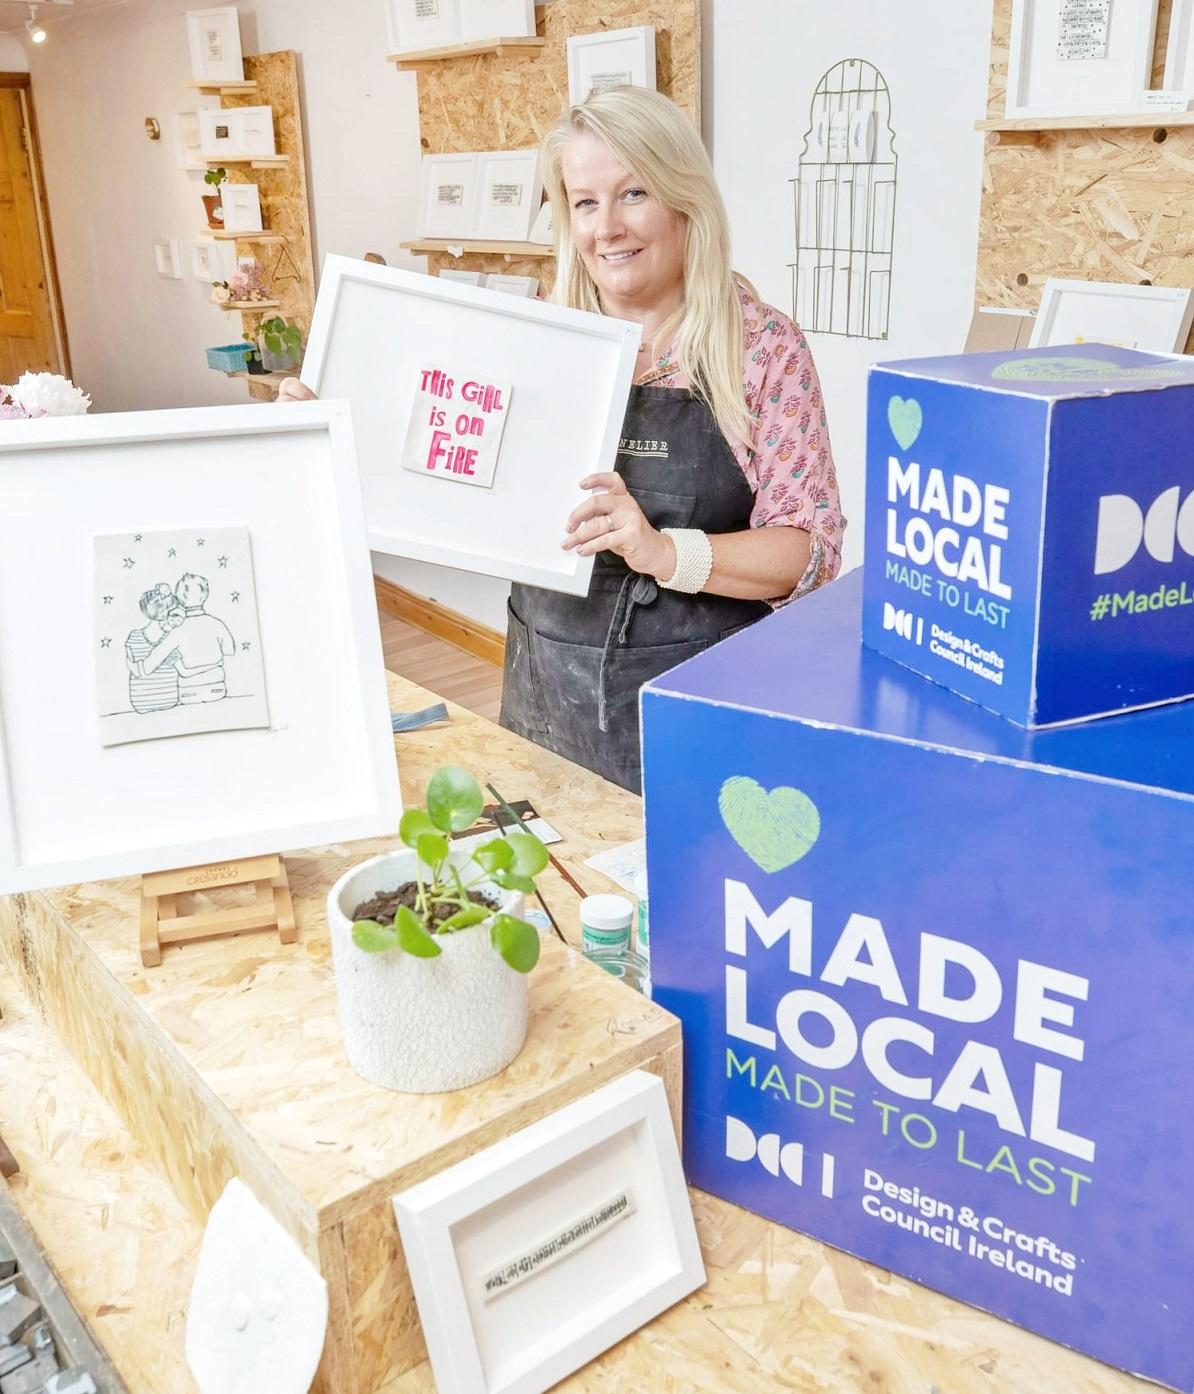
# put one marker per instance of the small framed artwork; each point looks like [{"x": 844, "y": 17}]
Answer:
[
  {"x": 471, "y": 371},
  {"x": 535, "y": 1255},
  {"x": 496, "y": 19},
  {"x": 1079, "y": 57},
  {"x": 213, "y": 37},
  {"x": 207, "y": 261},
  {"x": 242, "y": 207},
  {"x": 610, "y": 58},
  {"x": 1179, "y": 48},
  {"x": 186, "y": 129},
  {"x": 236, "y": 133},
  {"x": 448, "y": 196},
  {"x": 1155, "y": 319},
  {"x": 413, "y": 26},
  {"x": 166, "y": 259},
  {"x": 543, "y": 229},
  {"x": 509, "y": 193},
  {"x": 465, "y": 278},
  {"x": 513, "y": 285},
  {"x": 190, "y": 723}
]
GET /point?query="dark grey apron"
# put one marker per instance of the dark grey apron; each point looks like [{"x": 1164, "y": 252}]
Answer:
[{"x": 574, "y": 664}]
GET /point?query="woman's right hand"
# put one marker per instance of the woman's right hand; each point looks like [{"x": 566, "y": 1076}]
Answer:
[{"x": 292, "y": 390}]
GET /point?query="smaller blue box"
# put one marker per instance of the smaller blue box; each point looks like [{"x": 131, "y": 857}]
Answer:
[
  {"x": 229, "y": 358},
  {"x": 1030, "y": 528}
]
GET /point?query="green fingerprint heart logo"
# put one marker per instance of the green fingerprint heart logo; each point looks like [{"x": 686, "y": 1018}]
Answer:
[
  {"x": 905, "y": 418},
  {"x": 774, "y": 829}
]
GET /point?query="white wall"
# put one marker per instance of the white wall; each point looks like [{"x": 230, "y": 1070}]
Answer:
[
  {"x": 13, "y": 58},
  {"x": 762, "y": 61}
]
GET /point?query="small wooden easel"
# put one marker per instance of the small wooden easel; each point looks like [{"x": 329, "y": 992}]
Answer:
[{"x": 161, "y": 922}]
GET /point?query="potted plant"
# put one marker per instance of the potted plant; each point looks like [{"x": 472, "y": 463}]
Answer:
[
  {"x": 253, "y": 356},
  {"x": 213, "y": 203},
  {"x": 430, "y": 950},
  {"x": 281, "y": 344}
]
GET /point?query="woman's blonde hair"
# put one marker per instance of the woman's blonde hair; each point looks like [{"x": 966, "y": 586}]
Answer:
[{"x": 653, "y": 138}]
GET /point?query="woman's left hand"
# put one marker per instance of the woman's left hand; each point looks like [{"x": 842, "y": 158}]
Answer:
[{"x": 610, "y": 520}]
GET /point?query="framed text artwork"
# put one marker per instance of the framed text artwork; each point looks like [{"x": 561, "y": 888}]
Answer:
[
  {"x": 610, "y": 58},
  {"x": 448, "y": 196},
  {"x": 1179, "y": 49},
  {"x": 416, "y": 25},
  {"x": 496, "y": 19},
  {"x": 1154, "y": 319},
  {"x": 213, "y": 37},
  {"x": 509, "y": 193}
]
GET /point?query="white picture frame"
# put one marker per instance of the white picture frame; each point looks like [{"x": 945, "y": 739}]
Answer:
[
  {"x": 167, "y": 260},
  {"x": 1154, "y": 319},
  {"x": 509, "y": 194},
  {"x": 448, "y": 197},
  {"x": 607, "y": 1164},
  {"x": 415, "y": 26},
  {"x": 1042, "y": 83},
  {"x": 187, "y": 140},
  {"x": 512, "y": 285},
  {"x": 211, "y": 260},
  {"x": 496, "y": 19},
  {"x": 465, "y": 278},
  {"x": 242, "y": 207},
  {"x": 213, "y": 37},
  {"x": 323, "y": 771},
  {"x": 610, "y": 58},
  {"x": 570, "y": 371},
  {"x": 237, "y": 133},
  {"x": 1179, "y": 48}
]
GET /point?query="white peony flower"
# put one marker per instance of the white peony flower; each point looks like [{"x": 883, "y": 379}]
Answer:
[{"x": 49, "y": 394}]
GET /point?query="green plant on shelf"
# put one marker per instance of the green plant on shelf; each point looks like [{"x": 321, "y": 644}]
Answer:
[
  {"x": 281, "y": 339},
  {"x": 215, "y": 177}
]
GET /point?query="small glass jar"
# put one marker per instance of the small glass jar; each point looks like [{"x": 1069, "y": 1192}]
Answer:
[
  {"x": 630, "y": 967},
  {"x": 605, "y": 922}
]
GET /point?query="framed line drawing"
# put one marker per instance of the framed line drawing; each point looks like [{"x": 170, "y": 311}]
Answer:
[
  {"x": 413, "y": 26},
  {"x": 1155, "y": 319},
  {"x": 496, "y": 19},
  {"x": 80, "y": 496},
  {"x": 535, "y": 1255},
  {"x": 242, "y": 207},
  {"x": 1079, "y": 57},
  {"x": 448, "y": 196},
  {"x": 1179, "y": 48},
  {"x": 568, "y": 374},
  {"x": 610, "y": 58},
  {"x": 509, "y": 192},
  {"x": 213, "y": 37}
]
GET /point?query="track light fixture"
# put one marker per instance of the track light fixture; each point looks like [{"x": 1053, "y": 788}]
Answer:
[{"x": 36, "y": 33}]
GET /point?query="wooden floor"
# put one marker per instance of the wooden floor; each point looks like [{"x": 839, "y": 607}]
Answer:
[{"x": 442, "y": 667}]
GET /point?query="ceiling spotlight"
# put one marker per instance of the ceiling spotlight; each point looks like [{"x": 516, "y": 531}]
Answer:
[{"x": 36, "y": 33}]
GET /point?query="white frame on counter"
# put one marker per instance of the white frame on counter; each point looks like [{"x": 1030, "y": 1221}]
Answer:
[
  {"x": 413, "y": 26},
  {"x": 511, "y": 169},
  {"x": 72, "y": 810},
  {"x": 375, "y": 326},
  {"x": 1179, "y": 48},
  {"x": 1042, "y": 84},
  {"x": 537, "y": 1188},
  {"x": 231, "y": 66},
  {"x": 496, "y": 19},
  {"x": 445, "y": 220},
  {"x": 629, "y": 51},
  {"x": 1153, "y": 319}
]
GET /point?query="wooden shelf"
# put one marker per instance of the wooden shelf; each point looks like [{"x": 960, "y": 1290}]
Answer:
[
  {"x": 222, "y": 235},
  {"x": 249, "y": 305},
  {"x": 427, "y": 56},
  {"x": 1128, "y": 121},
  {"x": 256, "y": 161},
  {"x": 225, "y": 89},
  {"x": 273, "y": 380},
  {"x": 507, "y": 249}
]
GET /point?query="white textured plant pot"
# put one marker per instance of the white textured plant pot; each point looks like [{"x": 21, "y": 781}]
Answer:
[{"x": 424, "y": 1025}]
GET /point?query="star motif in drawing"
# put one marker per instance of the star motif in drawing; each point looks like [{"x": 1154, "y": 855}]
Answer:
[
  {"x": 136, "y": 537},
  {"x": 223, "y": 561},
  {"x": 201, "y": 542},
  {"x": 235, "y": 597},
  {"x": 129, "y": 563},
  {"x": 107, "y": 600},
  {"x": 105, "y": 643},
  {"x": 173, "y": 552},
  {"x": 244, "y": 648}
]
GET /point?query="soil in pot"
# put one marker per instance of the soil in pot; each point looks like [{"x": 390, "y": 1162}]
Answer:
[{"x": 384, "y": 906}]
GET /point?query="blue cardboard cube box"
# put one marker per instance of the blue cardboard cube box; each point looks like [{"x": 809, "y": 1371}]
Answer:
[
  {"x": 936, "y": 977},
  {"x": 1030, "y": 528}
]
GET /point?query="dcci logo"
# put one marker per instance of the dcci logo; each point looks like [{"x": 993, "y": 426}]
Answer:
[
  {"x": 743, "y": 1146},
  {"x": 902, "y": 621},
  {"x": 1123, "y": 525}
]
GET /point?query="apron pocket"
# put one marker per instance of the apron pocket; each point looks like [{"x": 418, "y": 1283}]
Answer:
[
  {"x": 521, "y": 708},
  {"x": 662, "y": 510}
]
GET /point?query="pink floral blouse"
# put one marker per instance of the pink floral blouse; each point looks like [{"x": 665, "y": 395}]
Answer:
[{"x": 789, "y": 464}]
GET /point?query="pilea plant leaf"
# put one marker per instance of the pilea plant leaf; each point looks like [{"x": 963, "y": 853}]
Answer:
[
  {"x": 414, "y": 824},
  {"x": 412, "y": 937},
  {"x": 512, "y": 881},
  {"x": 516, "y": 941},
  {"x": 530, "y": 855},
  {"x": 497, "y": 855},
  {"x": 453, "y": 799},
  {"x": 463, "y": 919},
  {"x": 432, "y": 849},
  {"x": 374, "y": 938}
]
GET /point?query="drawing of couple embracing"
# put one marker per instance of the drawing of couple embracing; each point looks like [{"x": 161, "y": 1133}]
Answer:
[{"x": 177, "y": 657}]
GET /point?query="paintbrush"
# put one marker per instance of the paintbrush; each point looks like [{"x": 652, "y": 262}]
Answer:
[{"x": 510, "y": 813}]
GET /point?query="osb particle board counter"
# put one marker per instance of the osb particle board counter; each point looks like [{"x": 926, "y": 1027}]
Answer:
[{"x": 780, "y": 1311}]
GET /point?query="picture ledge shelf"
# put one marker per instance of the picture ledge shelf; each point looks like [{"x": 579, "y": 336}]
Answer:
[
  {"x": 1113, "y": 122},
  {"x": 257, "y": 161},
  {"x": 229, "y": 89},
  {"x": 223, "y": 235},
  {"x": 404, "y": 61},
  {"x": 507, "y": 249},
  {"x": 250, "y": 305}
]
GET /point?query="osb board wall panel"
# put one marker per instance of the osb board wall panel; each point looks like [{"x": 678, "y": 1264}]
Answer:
[
  {"x": 1095, "y": 205},
  {"x": 509, "y": 101},
  {"x": 290, "y": 266}
]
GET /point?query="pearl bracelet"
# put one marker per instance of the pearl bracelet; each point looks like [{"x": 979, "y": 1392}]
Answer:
[{"x": 694, "y": 560}]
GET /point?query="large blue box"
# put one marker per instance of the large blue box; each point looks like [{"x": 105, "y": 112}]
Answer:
[
  {"x": 936, "y": 977},
  {"x": 1030, "y": 528}
]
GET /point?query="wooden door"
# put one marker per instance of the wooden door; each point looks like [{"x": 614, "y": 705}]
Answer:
[{"x": 30, "y": 339}]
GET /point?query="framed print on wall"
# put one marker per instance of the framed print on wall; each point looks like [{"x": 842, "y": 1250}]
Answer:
[
  {"x": 1079, "y": 57},
  {"x": 610, "y": 58},
  {"x": 535, "y": 1255},
  {"x": 512, "y": 285},
  {"x": 413, "y": 26},
  {"x": 509, "y": 192},
  {"x": 125, "y": 527},
  {"x": 496, "y": 19},
  {"x": 236, "y": 133},
  {"x": 213, "y": 37},
  {"x": 557, "y": 380},
  {"x": 242, "y": 207},
  {"x": 1155, "y": 319},
  {"x": 447, "y": 196},
  {"x": 1179, "y": 48},
  {"x": 167, "y": 261}
]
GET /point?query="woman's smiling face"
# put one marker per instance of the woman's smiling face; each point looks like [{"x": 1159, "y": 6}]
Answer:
[{"x": 631, "y": 245}]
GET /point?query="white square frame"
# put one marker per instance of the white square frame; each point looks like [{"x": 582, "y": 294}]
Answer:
[
  {"x": 410, "y": 30},
  {"x": 621, "y": 51},
  {"x": 566, "y": 366},
  {"x": 167, "y": 260},
  {"x": 289, "y": 474},
  {"x": 428, "y": 1212},
  {"x": 449, "y": 222},
  {"x": 515, "y": 169},
  {"x": 496, "y": 19},
  {"x": 1179, "y": 48},
  {"x": 527, "y": 286},
  {"x": 250, "y": 133},
  {"x": 242, "y": 207},
  {"x": 1155, "y": 319},
  {"x": 230, "y": 66},
  {"x": 1128, "y": 63}
]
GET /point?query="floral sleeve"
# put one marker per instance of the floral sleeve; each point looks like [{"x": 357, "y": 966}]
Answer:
[{"x": 791, "y": 466}]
